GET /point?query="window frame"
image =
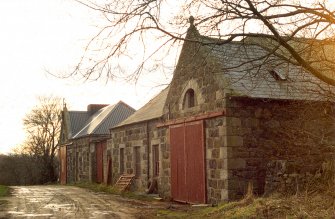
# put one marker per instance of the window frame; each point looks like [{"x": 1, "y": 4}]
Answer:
[
  {"x": 155, "y": 160},
  {"x": 189, "y": 100}
]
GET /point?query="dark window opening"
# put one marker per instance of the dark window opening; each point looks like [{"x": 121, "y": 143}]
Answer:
[
  {"x": 137, "y": 161},
  {"x": 189, "y": 99},
  {"x": 121, "y": 160},
  {"x": 155, "y": 160},
  {"x": 278, "y": 75}
]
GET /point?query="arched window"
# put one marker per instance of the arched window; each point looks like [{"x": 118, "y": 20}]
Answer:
[{"x": 189, "y": 99}]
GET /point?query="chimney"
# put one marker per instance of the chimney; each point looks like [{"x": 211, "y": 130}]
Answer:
[{"x": 93, "y": 108}]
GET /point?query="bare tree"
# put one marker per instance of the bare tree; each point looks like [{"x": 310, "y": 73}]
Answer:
[
  {"x": 43, "y": 125},
  {"x": 148, "y": 31}
]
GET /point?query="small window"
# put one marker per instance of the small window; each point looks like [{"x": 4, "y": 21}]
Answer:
[
  {"x": 121, "y": 160},
  {"x": 155, "y": 160},
  {"x": 189, "y": 99},
  {"x": 137, "y": 161}
]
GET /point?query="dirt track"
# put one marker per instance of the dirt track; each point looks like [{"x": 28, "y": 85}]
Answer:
[{"x": 68, "y": 202}]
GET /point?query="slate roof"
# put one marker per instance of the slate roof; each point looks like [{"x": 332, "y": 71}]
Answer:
[
  {"x": 77, "y": 121},
  {"x": 152, "y": 110},
  {"x": 104, "y": 119},
  {"x": 247, "y": 70}
]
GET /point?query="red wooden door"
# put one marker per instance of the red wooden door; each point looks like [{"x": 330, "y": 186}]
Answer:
[
  {"x": 178, "y": 176},
  {"x": 195, "y": 158},
  {"x": 99, "y": 158},
  {"x": 63, "y": 166},
  {"x": 188, "y": 179}
]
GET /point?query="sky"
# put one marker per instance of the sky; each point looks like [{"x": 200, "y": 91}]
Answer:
[{"x": 40, "y": 35}]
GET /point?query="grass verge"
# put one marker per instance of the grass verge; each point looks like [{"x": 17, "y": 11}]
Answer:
[
  {"x": 4, "y": 191},
  {"x": 110, "y": 190},
  {"x": 275, "y": 206},
  {"x": 319, "y": 204}
]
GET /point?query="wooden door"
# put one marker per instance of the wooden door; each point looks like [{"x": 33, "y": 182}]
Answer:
[
  {"x": 178, "y": 176},
  {"x": 63, "y": 165},
  {"x": 188, "y": 179},
  {"x": 195, "y": 162}
]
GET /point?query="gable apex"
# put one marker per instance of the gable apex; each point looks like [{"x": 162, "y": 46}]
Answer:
[{"x": 192, "y": 32}]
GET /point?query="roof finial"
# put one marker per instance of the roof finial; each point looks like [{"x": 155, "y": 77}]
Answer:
[
  {"x": 64, "y": 103},
  {"x": 191, "y": 20}
]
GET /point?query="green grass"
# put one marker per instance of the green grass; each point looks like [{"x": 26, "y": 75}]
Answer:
[
  {"x": 110, "y": 190},
  {"x": 303, "y": 205},
  {"x": 230, "y": 209},
  {"x": 4, "y": 191},
  {"x": 255, "y": 209},
  {"x": 240, "y": 209}
]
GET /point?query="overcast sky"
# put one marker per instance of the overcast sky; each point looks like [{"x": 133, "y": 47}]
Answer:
[{"x": 49, "y": 34}]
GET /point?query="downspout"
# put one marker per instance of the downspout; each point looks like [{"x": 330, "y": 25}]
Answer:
[
  {"x": 89, "y": 163},
  {"x": 76, "y": 163},
  {"x": 148, "y": 154}
]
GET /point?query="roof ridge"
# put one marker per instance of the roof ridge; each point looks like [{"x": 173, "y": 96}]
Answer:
[
  {"x": 107, "y": 116},
  {"x": 156, "y": 96},
  {"x": 77, "y": 111},
  {"x": 95, "y": 117},
  {"x": 121, "y": 101},
  {"x": 192, "y": 32},
  {"x": 147, "y": 106}
]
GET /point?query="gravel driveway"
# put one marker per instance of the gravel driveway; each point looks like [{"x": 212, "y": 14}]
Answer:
[{"x": 69, "y": 202}]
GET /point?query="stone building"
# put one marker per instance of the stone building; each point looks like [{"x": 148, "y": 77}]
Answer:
[
  {"x": 232, "y": 115},
  {"x": 138, "y": 146},
  {"x": 83, "y": 142}
]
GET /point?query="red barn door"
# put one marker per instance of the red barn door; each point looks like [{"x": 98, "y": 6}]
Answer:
[
  {"x": 63, "y": 166},
  {"x": 188, "y": 179},
  {"x": 178, "y": 176}
]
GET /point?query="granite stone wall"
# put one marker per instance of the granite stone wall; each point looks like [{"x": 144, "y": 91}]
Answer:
[
  {"x": 162, "y": 136},
  {"x": 242, "y": 145},
  {"x": 143, "y": 135},
  {"x": 78, "y": 157},
  {"x": 81, "y": 160},
  {"x": 217, "y": 187},
  {"x": 70, "y": 164},
  {"x": 276, "y": 144}
]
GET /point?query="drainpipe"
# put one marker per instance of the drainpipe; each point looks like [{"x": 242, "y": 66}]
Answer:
[
  {"x": 89, "y": 162},
  {"x": 148, "y": 156},
  {"x": 76, "y": 164}
]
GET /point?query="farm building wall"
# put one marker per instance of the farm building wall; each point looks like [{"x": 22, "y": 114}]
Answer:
[
  {"x": 273, "y": 144},
  {"x": 82, "y": 160},
  {"x": 277, "y": 145},
  {"x": 143, "y": 135},
  {"x": 254, "y": 135}
]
